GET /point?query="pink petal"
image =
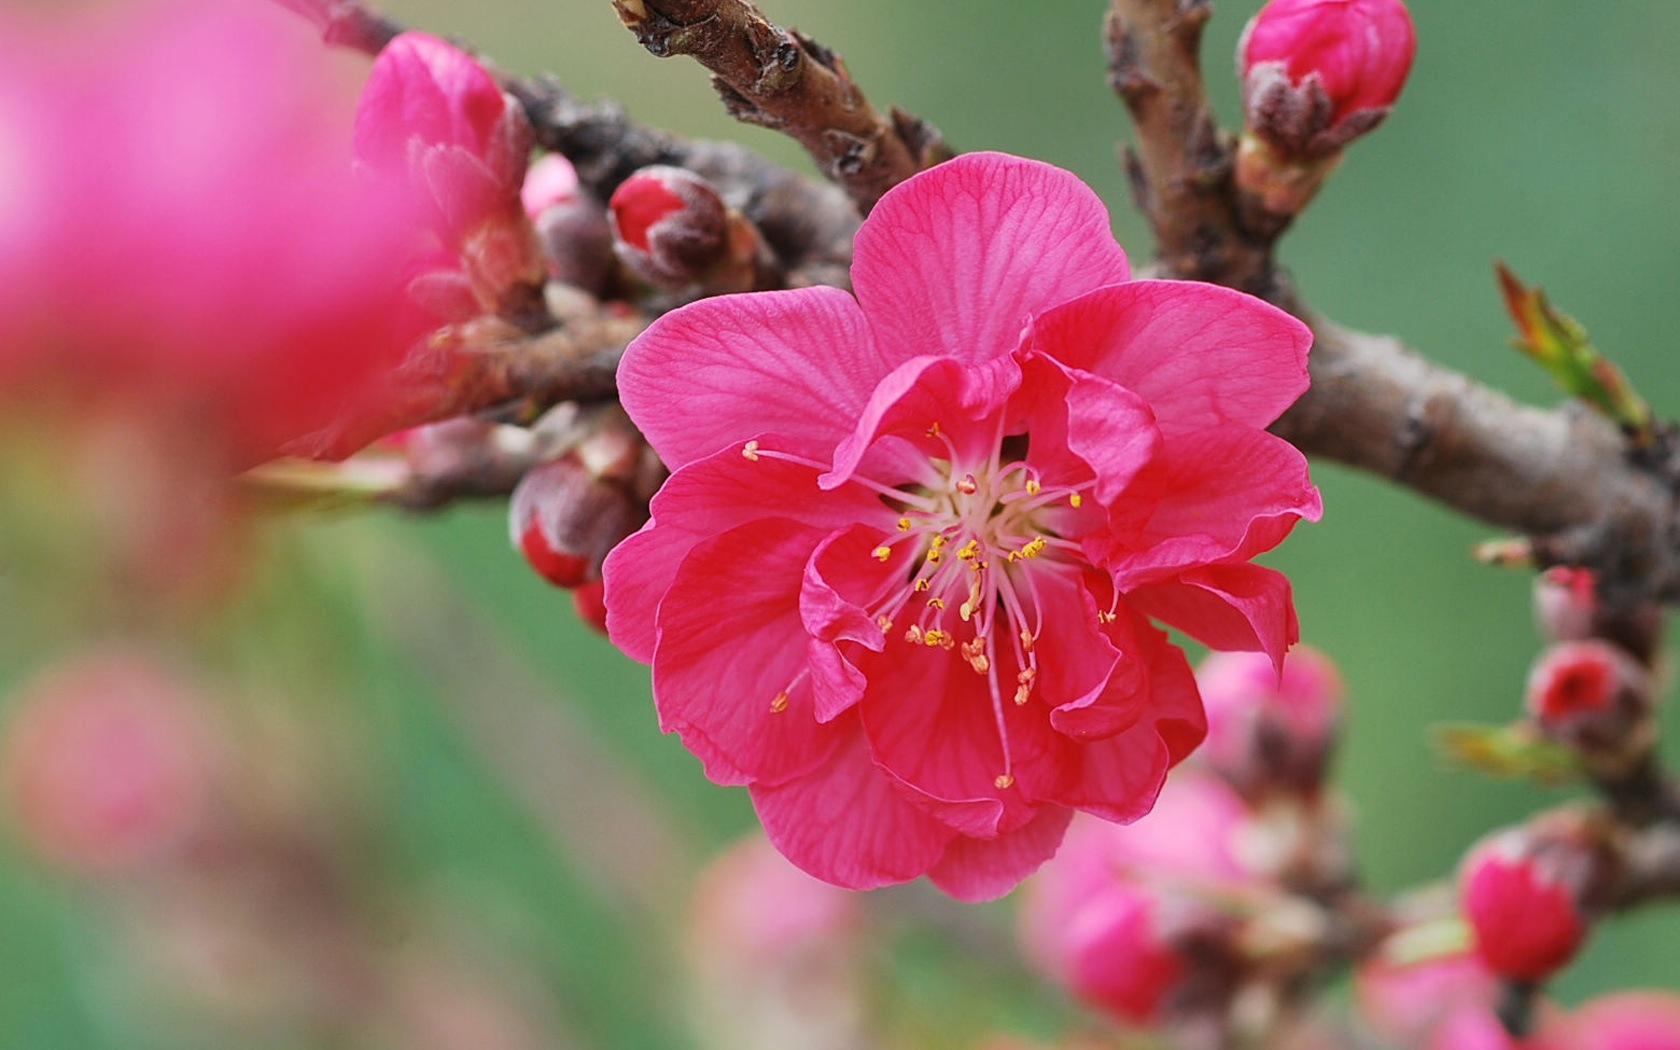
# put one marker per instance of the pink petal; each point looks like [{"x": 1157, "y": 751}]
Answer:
[
  {"x": 956, "y": 260},
  {"x": 1224, "y": 494},
  {"x": 1242, "y": 607},
  {"x": 1103, "y": 426},
  {"x": 986, "y": 869},
  {"x": 728, "y": 674},
  {"x": 723, "y": 370},
  {"x": 1201, "y": 355},
  {"x": 1076, "y": 659},
  {"x": 845, "y": 821},
  {"x": 1122, "y": 695},
  {"x": 843, "y": 580},
  {"x": 932, "y": 723},
  {"x": 705, "y": 498},
  {"x": 1119, "y": 777},
  {"x": 961, "y": 401}
]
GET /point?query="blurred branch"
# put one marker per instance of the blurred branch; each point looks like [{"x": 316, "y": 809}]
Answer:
[
  {"x": 786, "y": 81},
  {"x": 347, "y": 23}
]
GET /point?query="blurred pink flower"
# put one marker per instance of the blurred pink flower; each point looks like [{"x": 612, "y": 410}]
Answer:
[
  {"x": 433, "y": 121},
  {"x": 1121, "y": 915},
  {"x": 1265, "y": 730},
  {"x": 180, "y": 228},
  {"x": 1404, "y": 1002},
  {"x": 901, "y": 580},
  {"x": 105, "y": 762},
  {"x": 1637, "y": 1020},
  {"x": 1523, "y": 891}
]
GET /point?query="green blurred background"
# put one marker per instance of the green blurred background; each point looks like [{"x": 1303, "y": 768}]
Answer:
[{"x": 509, "y": 755}]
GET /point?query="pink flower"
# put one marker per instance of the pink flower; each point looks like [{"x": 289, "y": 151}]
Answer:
[
  {"x": 1317, "y": 73},
  {"x": 1268, "y": 731},
  {"x": 181, "y": 236},
  {"x": 1639, "y": 1020},
  {"x": 901, "y": 581},
  {"x": 431, "y": 118},
  {"x": 105, "y": 762},
  {"x": 1405, "y": 1001}
]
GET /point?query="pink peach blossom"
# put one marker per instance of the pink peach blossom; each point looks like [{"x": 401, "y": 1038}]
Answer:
[
  {"x": 181, "y": 234},
  {"x": 901, "y": 582}
]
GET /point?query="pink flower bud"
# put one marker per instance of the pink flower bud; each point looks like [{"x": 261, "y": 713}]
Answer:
[
  {"x": 565, "y": 518},
  {"x": 572, "y": 227},
  {"x": 1594, "y": 697},
  {"x": 670, "y": 225},
  {"x": 432, "y": 118},
  {"x": 1641, "y": 1020},
  {"x": 1116, "y": 954},
  {"x": 1318, "y": 73},
  {"x": 1524, "y": 891},
  {"x": 104, "y": 763},
  {"x": 1403, "y": 1002},
  {"x": 590, "y": 600},
  {"x": 1568, "y": 607},
  {"x": 1268, "y": 732}
]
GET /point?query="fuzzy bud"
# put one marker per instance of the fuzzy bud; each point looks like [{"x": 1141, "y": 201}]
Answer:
[
  {"x": 670, "y": 226},
  {"x": 565, "y": 517},
  {"x": 1526, "y": 892},
  {"x": 1568, "y": 607},
  {"x": 572, "y": 227},
  {"x": 1595, "y": 698},
  {"x": 1318, "y": 73},
  {"x": 1269, "y": 732}
]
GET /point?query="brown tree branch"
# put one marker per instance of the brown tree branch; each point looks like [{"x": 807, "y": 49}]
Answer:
[{"x": 783, "y": 80}]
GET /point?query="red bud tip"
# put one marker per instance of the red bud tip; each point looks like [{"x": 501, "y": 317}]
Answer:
[
  {"x": 641, "y": 201},
  {"x": 1522, "y": 892},
  {"x": 590, "y": 601}
]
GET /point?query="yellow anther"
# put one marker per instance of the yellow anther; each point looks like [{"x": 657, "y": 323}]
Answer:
[
  {"x": 933, "y": 430},
  {"x": 1032, "y": 486},
  {"x": 1014, "y": 556},
  {"x": 882, "y": 553},
  {"x": 884, "y": 622},
  {"x": 750, "y": 451},
  {"x": 968, "y": 486},
  {"x": 1004, "y": 780},
  {"x": 1026, "y": 641},
  {"x": 939, "y": 541},
  {"x": 966, "y": 611},
  {"x": 913, "y": 634},
  {"x": 936, "y": 637},
  {"x": 1034, "y": 547},
  {"x": 780, "y": 704},
  {"x": 1027, "y": 675},
  {"x": 936, "y": 603},
  {"x": 1105, "y": 617},
  {"x": 903, "y": 524},
  {"x": 1076, "y": 501},
  {"x": 935, "y": 556},
  {"x": 1021, "y": 694},
  {"x": 921, "y": 586},
  {"x": 969, "y": 550}
]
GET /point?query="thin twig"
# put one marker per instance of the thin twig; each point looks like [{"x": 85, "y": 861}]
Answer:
[{"x": 783, "y": 80}]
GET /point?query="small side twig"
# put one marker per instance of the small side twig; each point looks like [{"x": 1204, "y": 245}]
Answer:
[{"x": 783, "y": 80}]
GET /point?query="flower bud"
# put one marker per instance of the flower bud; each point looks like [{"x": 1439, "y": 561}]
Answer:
[
  {"x": 1526, "y": 892},
  {"x": 572, "y": 227},
  {"x": 564, "y": 518},
  {"x": 1568, "y": 607},
  {"x": 590, "y": 601},
  {"x": 1597, "y": 699},
  {"x": 670, "y": 226},
  {"x": 1318, "y": 73},
  {"x": 430, "y": 117},
  {"x": 1268, "y": 732},
  {"x": 1405, "y": 1001},
  {"x": 105, "y": 763}
]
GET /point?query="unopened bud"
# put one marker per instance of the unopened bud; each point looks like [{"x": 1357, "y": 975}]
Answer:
[
  {"x": 1267, "y": 732},
  {"x": 670, "y": 225},
  {"x": 1568, "y": 607},
  {"x": 1598, "y": 700},
  {"x": 565, "y": 518},
  {"x": 1404, "y": 1000},
  {"x": 1527, "y": 893},
  {"x": 1318, "y": 73},
  {"x": 572, "y": 227},
  {"x": 590, "y": 601},
  {"x": 433, "y": 121}
]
